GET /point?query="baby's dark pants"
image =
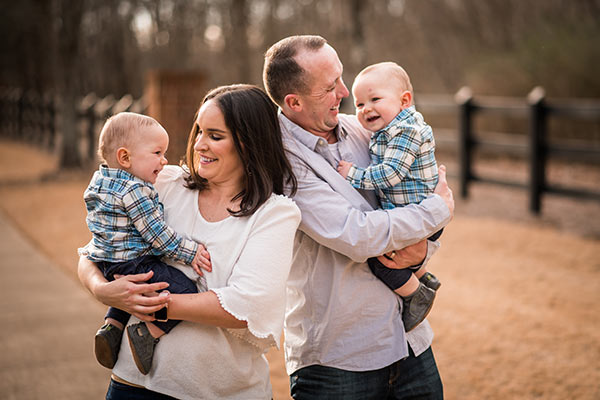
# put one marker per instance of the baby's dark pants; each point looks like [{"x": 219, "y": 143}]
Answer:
[
  {"x": 178, "y": 283},
  {"x": 395, "y": 278}
]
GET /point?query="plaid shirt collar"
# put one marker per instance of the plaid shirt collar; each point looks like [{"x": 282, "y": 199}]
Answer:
[
  {"x": 117, "y": 173},
  {"x": 389, "y": 130}
]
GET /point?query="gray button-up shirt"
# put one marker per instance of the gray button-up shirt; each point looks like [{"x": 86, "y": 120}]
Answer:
[{"x": 338, "y": 313}]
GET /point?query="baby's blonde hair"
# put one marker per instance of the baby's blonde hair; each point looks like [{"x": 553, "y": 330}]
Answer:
[
  {"x": 119, "y": 131},
  {"x": 396, "y": 72}
]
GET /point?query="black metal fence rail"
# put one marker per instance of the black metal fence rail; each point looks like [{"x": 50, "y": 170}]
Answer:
[
  {"x": 34, "y": 117},
  {"x": 536, "y": 147}
]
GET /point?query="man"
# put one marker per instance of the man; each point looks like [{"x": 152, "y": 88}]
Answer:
[{"x": 344, "y": 332}]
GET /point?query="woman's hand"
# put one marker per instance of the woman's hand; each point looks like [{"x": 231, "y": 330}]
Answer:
[
  {"x": 407, "y": 257},
  {"x": 128, "y": 293}
]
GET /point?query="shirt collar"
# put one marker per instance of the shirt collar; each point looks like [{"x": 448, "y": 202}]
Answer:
[
  {"x": 117, "y": 173},
  {"x": 305, "y": 137},
  {"x": 402, "y": 115}
]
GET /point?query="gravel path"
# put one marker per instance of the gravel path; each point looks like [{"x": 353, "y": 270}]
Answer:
[{"x": 516, "y": 317}]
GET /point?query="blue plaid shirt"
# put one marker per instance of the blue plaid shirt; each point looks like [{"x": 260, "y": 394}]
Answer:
[
  {"x": 403, "y": 168},
  {"x": 127, "y": 220}
]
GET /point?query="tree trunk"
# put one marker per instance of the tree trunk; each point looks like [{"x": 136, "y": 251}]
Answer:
[
  {"x": 68, "y": 68},
  {"x": 239, "y": 39},
  {"x": 70, "y": 156}
]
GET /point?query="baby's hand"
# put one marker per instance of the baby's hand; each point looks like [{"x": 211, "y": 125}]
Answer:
[
  {"x": 344, "y": 167},
  {"x": 201, "y": 260}
]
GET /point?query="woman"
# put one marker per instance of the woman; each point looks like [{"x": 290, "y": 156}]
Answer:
[{"x": 228, "y": 196}]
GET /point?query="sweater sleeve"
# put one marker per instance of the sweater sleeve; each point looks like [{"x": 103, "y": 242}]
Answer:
[{"x": 256, "y": 290}]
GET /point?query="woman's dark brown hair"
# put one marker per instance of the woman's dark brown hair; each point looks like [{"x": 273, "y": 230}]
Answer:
[{"x": 251, "y": 117}]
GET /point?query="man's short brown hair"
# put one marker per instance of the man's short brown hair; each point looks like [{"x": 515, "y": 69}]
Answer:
[{"x": 282, "y": 74}]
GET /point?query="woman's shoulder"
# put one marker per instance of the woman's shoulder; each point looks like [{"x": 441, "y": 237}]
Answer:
[
  {"x": 171, "y": 177},
  {"x": 280, "y": 200},
  {"x": 280, "y": 204},
  {"x": 353, "y": 128},
  {"x": 171, "y": 172}
]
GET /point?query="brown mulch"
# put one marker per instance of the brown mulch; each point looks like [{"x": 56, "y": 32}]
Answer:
[{"x": 517, "y": 314}]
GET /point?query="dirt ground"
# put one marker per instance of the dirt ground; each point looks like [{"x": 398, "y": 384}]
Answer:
[{"x": 517, "y": 314}]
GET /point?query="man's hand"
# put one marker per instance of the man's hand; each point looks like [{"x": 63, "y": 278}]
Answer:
[
  {"x": 407, "y": 257},
  {"x": 443, "y": 190},
  {"x": 343, "y": 168}
]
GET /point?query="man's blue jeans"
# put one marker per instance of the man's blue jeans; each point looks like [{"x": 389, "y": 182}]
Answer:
[
  {"x": 411, "y": 378},
  {"x": 120, "y": 391}
]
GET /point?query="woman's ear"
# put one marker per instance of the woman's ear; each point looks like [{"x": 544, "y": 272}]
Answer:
[
  {"x": 406, "y": 99},
  {"x": 123, "y": 157},
  {"x": 292, "y": 102}
]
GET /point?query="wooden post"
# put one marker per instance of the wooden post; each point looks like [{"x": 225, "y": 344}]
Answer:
[
  {"x": 537, "y": 142},
  {"x": 100, "y": 110},
  {"x": 464, "y": 98},
  {"x": 91, "y": 134},
  {"x": 20, "y": 112},
  {"x": 173, "y": 97},
  {"x": 51, "y": 104},
  {"x": 86, "y": 111}
]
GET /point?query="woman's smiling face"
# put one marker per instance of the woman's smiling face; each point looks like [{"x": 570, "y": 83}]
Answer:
[{"x": 218, "y": 159}]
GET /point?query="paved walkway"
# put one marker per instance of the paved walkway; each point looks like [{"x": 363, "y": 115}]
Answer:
[{"x": 48, "y": 323}]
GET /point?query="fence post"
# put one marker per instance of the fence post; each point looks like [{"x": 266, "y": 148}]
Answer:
[
  {"x": 50, "y": 101},
  {"x": 101, "y": 110},
  {"x": 91, "y": 134},
  {"x": 464, "y": 98},
  {"x": 85, "y": 111},
  {"x": 537, "y": 143},
  {"x": 20, "y": 112}
]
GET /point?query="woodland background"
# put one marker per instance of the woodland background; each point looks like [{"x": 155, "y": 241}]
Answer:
[
  {"x": 496, "y": 47},
  {"x": 500, "y": 47},
  {"x": 517, "y": 315}
]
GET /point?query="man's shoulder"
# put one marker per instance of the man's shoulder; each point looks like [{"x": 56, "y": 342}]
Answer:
[{"x": 349, "y": 123}]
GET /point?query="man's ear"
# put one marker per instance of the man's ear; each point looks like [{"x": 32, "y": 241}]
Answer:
[
  {"x": 123, "y": 157},
  {"x": 406, "y": 99},
  {"x": 292, "y": 102}
]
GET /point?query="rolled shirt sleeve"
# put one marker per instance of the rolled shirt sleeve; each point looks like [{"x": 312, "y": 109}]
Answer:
[{"x": 357, "y": 232}]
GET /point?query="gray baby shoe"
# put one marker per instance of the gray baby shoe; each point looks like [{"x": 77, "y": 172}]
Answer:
[
  {"x": 142, "y": 346},
  {"x": 430, "y": 280},
  {"x": 107, "y": 344},
  {"x": 417, "y": 306}
]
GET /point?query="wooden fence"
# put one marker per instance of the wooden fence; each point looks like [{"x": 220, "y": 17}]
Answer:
[
  {"x": 93, "y": 111},
  {"x": 28, "y": 116},
  {"x": 538, "y": 148},
  {"x": 33, "y": 117}
]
